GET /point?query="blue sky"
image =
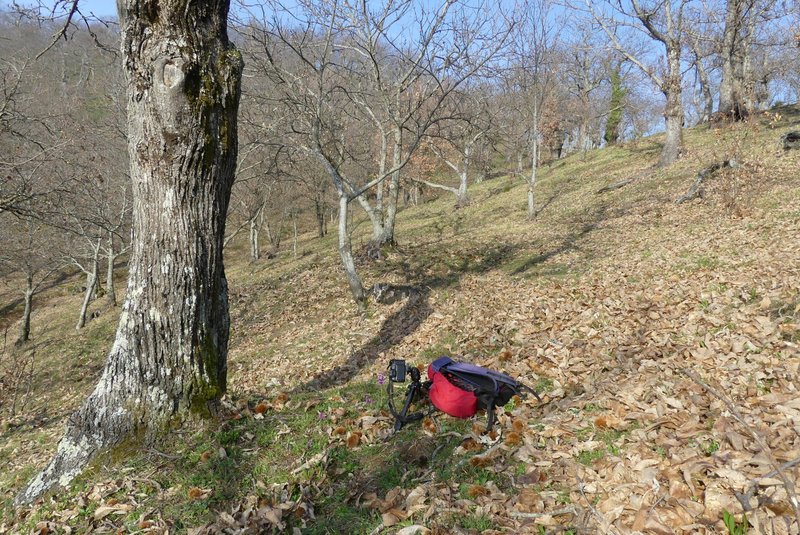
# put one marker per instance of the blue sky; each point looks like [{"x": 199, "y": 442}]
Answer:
[{"x": 100, "y": 8}]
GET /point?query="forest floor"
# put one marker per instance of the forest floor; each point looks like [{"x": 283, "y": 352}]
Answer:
[{"x": 663, "y": 338}]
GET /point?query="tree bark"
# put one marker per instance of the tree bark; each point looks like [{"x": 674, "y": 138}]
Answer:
[
  {"x": 734, "y": 53},
  {"x": 294, "y": 235},
  {"x": 91, "y": 285},
  {"x": 255, "y": 251},
  {"x": 673, "y": 111},
  {"x": 320, "y": 213},
  {"x": 534, "y": 163},
  {"x": 616, "y": 107},
  {"x": 394, "y": 191},
  {"x": 346, "y": 254},
  {"x": 531, "y": 192},
  {"x": 705, "y": 91},
  {"x": 170, "y": 351}
]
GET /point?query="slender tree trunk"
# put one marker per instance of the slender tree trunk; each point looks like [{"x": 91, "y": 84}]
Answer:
[
  {"x": 346, "y": 254},
  {"x": 534, "y": 165},
  {"x": 25, "y": 325},
  {"x": 320, "y": 213},
  {"x": 532, "y": 184},
  {"x": 255, "y": 251},
  {"x": 391, "y": 209},
  {"x": 746, "y": 77},
  {"x": 673, "y": 111},
  {"x": 170, "y": 351},
  {"x": 705, "y": 92},
  {"x": 91, "y": 287},
  {"x": 87, "y": 298},
  {"x": 462, "y": 198},
  {"x": 111, "y": 256},
  {"x": 294, "y": 234}
]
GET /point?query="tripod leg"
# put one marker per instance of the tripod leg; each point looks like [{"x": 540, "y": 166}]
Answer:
[
  {"x": 410, "y": 395},
  {"x": 490, "y": 413}
]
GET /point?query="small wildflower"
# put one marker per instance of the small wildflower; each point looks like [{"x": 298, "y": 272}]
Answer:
[
  {"x": 322, "y": 415},
  {"x": 381, "y": 379},
  {"x": 368, "y": 399}
]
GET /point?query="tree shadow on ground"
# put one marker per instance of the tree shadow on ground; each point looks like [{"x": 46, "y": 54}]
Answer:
[
  {"x": 569, "y": 243},
  {"x": 408, "y": 319}
]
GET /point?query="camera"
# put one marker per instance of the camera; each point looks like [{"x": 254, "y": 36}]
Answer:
[{"x": 397, "y": 371}]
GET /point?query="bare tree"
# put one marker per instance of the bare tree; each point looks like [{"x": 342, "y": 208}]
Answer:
[
  {"x": 661, "y": 22},
  {"x": 699, "y": 47},
  {"x": 735, "y": 95},
  {"x": 531, "y": 80},
  {"x": 170, "y": 350},
  {"x": 456, "y": 140},
  {"x": 366, "y": 82},
  {"x": 28, "y": 250},
  {"x": 29, "y": 140},
  {"x": 585, "y": 70}
]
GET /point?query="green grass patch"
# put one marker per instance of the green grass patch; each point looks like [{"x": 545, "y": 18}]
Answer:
[{"x": 589, "y": 456}]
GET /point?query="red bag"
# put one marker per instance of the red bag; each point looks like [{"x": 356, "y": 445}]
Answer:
[{"x": 450, "y": 399}]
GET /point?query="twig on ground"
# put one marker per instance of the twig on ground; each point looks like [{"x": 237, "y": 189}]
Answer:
[
  {"x": 777, "y": 469},
  {"x": 484, "y": 454},
  {"x": 564, "y": 511},
  {"x": 608, "y": 528}
]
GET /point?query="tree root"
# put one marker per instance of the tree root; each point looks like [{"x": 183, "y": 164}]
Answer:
[
  {"x": 696, "y": 189},
  {"x": 629, "y": 180}
]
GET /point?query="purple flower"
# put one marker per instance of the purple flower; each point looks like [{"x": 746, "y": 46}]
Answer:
[
  {"x": 381, "y": 379},
  {"x": 368, "y": 399},
  {"x": 322, "y": 415}
]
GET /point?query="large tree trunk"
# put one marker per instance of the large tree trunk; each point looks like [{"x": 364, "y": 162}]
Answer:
[
  {"x": 673, "y": 111},
  {"x": 25, "y": 325},
  {"x": 170, "y": 351}
]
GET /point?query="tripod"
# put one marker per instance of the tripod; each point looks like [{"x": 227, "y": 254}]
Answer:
[{"x": 414, "y": 391}]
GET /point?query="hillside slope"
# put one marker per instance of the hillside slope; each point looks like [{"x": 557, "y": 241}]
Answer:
[{"x": 664, "y": 339}]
